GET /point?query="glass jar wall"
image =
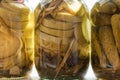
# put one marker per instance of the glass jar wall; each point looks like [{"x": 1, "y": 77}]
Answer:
[
  {"x": 62, "y": 39},
  {"x": 105, "y": 39},
  {"x": 16, "y": 38}
]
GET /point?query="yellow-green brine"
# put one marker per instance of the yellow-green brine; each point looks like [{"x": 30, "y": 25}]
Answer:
[
  {"x": 105, "y": 32},
  {"x": 16, "y": 38},
  {"x": 62, "y": 39}
]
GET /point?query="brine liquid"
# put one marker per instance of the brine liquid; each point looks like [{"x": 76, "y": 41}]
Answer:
[
  {"x": 61, "y": 53},
  {"x": 67, "y": 61},
  {"x": 106, "y": 39},
  {"x": 104, "y": 64},
  {"x": 16, "y": 41},
  {"x": 62, "y": 42}
]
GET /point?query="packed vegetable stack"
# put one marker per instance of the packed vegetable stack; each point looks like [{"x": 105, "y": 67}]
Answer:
[
  {"x": 106, "y": 35},
  {"x": 14, "y": 14},
  {"x": 14, "y": 19},
  {"x": 61, "y": 45}
]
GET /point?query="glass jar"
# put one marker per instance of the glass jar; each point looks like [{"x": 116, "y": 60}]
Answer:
[
  {"x": 106, "y": 39},
  {"x": 16, "y": 38},
  {"x": 62, "y": 40}
]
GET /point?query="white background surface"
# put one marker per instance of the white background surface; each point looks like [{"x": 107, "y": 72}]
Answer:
[
  {"x": 90, "y": 3},
  {"x": 33, "y": 3}
]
